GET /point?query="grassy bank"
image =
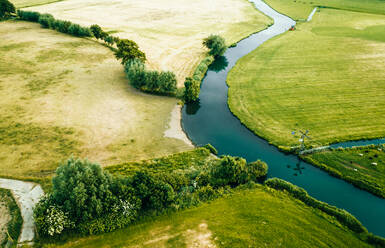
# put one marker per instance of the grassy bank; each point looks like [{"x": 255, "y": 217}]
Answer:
[
  {"x": 300, "y": 10},
  {"x": 10, "y": 219},
  {"x": 63, "y": 96},
  {"x": 327, "y": 77},
  {"x": 247, "y": 218},
  {"x": 361, "y": 166},
  {"x": 170, "y": 32}
]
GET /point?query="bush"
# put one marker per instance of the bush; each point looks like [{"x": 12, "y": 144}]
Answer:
[
  {"x": 256, "y": 170},
  {"x": 46, "y": 20},
  {"x": 341, "y": 215},
  {"x": 211, "y": 149},
  {"x": 216, "y": 44},
  {"x": 62, "y": 26},
  {"x": 128, "y": 50},
  {"x": 108, "y": 39},
  {"x": 135, "y": 73},
  {"x": 191, "y": 90},
  {"x": 163, "y": 83},
  {"x": 50, "y": 219},
  {"x": 6, "y": 8},
  {"x": 201, "y": 69},
  {"x": 229, "y": 171},
  {"x": 154, "y": 194},
  {"x": 97, "y": 31},
  {"x": 79, "y": 31},
  {"x": 28, "y": 15},
  {"x": 82, "y": 189}
]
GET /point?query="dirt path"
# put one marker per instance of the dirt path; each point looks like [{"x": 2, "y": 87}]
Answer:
[{"x": 26, "y": 194}]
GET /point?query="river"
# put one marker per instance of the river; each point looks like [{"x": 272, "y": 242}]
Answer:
[{"x": 211, "y": 121}]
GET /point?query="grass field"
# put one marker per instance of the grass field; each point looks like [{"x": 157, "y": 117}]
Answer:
[
  {"x": 170, "y": 32},
  {"x": 364, "y": 166},
  {"x": 63, "y": 96},
  {"x": 300, "y": 9},
  {"x": 247, "y": 218},
  {"x": 327, "y": 76}
]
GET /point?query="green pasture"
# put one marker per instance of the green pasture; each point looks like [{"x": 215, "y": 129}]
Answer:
[
  {"x": 326, "y": 77},
  {"x": 258, "y": 217}
]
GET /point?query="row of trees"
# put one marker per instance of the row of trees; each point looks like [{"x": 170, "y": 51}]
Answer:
[
  {"x": 89, "y": 200},
  {"x": 217, "y": 47}
]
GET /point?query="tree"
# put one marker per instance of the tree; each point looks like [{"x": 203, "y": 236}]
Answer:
[
  {"x": 229, "y": 171},
  {"x": 82, "y": 189},
  {"x": 216, "y": 44},
  {"x": 6, "y": 8},
  {"x": 97, "y": 31},
  {"x": 191, "y": 90},
  {"x": 128, "y": 50}
]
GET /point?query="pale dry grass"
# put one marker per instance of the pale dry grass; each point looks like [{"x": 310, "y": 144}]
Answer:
[
  {"x": 170, "y": 32},
  {"x": 61, "y": 95}
]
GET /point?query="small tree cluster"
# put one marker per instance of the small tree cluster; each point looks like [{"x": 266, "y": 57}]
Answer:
[
  {"x": 98, "y": 33},
  {"x": 128, "y": 50},
  {"x": 191, "y": 90},
  {"x": 216, "y": 44},
  {"x": 6, "y": 9},
  {"x": 163, "y": 83}
]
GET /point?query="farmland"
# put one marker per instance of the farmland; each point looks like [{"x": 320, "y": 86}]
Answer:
[
  {"x": 330, "y": 81},
  {"x": 169, "y": 32},
  {"x": 63, "y": 96}
]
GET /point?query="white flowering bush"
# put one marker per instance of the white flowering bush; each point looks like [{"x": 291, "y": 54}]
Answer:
[{"x": 50, "y": 219}]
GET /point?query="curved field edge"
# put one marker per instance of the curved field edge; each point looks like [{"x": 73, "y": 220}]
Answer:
[
  {"x": 273, "y": 102},
  {"x": 13, "y": 226},
  {"x": 246, "y": 217},
  {"x": 173, "y": 39}
]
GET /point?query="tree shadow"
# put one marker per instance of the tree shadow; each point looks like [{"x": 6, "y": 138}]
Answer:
[
  {"x": 192, "y": 107},
  {"x": 219, "y": 64}
]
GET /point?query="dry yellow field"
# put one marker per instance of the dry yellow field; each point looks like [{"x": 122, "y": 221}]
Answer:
[
  {"x": 170, "y": 32},
  {"x": 63, "y": 96}
]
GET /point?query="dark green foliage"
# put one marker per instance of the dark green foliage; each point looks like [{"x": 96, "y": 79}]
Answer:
[
  {"x": 211, "y": 148},
  {"x": 136, "y": 73},
  {"x": 46, "y": 20},
  {"x": 216, "y": 44},
  {"x": 191, "y": 90},
  {"x": 62, "y": 26},
  {"x": 28, "y": 15},
  {"x": 154, "y": 194},
  {"x": 202, "y": 68},
  {"x": 83, "y": 190},
  {"x": 6, "y": 8},
  {"x": 163, "y": 83},
  {"x": 79, "y": 31},
  {"x": 256, "y": 170},
  {"x": 341, "y": 215},
  {"x": 229, "y": 171},
  {"x": 16, "y": 221},
  {"x": 375, "y": 240},
  {"x": 108, "y": 39},
  {"x": 97, "y": 31},
  {"x": 128, "y": 50}
]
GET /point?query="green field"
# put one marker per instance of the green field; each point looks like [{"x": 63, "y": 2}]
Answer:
[
  {"x": 247, "y": 218},
  {"x": 327, "y": 76},
  {"x": 363, "y": 166},
  {"x": 299, "y": 10}
]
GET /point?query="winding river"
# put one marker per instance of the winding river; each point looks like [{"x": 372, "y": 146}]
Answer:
[{"x": 211, "y": 121}]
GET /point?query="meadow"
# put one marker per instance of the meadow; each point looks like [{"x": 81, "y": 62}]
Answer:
[
  {"x": 258, "y": 217},
  {"x": 326, "y": 77},
  {"x": 300, "y": 9},
  {"x": 362, "y": 166},
  {"x": 62, "y": 96},
  {"x": 170, "y": 32}
]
